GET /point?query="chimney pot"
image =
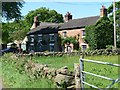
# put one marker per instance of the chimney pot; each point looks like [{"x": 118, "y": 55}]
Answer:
[
  {"x": 103, "y": 11},
  {"x": 67, "y": 17},
  {"x": 36, "y": 22}
]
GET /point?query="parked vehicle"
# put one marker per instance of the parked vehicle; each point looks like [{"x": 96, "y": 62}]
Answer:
[{"x": 8, "y": 50}]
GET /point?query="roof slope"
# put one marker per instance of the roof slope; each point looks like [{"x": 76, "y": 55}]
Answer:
[
  {"x": 77, "y": 23},
  {"x": 46, "y": 27}
]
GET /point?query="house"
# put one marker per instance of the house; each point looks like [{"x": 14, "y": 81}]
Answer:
[{"x": 45, "y": 36}]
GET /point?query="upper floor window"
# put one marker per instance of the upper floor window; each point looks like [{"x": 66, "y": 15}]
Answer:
[
  {"x": 51, "y": 37},
  {"x": 39, "y": 37},
  {"x": 31, "y": 35},
  {"x": 64, "y": 34},
  {"x": 83, "y": 33},
  {"x": 32, "y": 38}
]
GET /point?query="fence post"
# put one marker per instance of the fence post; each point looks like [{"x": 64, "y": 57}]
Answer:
[
  {"x": 81, "y": 74},
  {"x": 77, "y": 76}
]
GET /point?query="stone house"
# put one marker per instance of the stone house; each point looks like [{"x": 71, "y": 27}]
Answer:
[{"x": 45, "y": 36}]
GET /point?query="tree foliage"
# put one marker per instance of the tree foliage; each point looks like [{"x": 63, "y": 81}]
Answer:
[
  {"x": 17, "y": 30},
  {"x": 101, "y": 34},
  {"x": 11, "y": 10},
  {"x": 71, "y": 40},
  {"x": 45, "y": 15},
  {"x": 90, "y": 36},
  {"x": 110, "y": 11},
  {"x": 14, "y": 31}
]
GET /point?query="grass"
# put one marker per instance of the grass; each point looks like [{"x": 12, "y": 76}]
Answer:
[
  {"x": 58, "y": 62},
  {"x": 104, "y": 70},
  {"x": 14, "y": 78}
]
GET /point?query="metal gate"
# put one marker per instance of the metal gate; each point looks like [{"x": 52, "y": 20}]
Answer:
[{"x": 82, "y": 74}]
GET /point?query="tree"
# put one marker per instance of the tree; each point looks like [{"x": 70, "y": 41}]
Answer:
[
  {"x": 110, "y": 11},
  {"x": 11, "y": 10},
  {"x": 14, "y": 30},
  {"x": 45, "y": 15},
  {"x": 101, "y": 34},
  {"x": 90, "y": 36}
]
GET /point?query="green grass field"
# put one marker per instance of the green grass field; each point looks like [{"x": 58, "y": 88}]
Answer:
[
  {"x": 13, "y": 78},
  {"x": 104, "y": 70}
]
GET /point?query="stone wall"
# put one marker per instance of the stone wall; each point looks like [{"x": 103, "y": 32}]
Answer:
[
  {"x": 62, "y": 77},
  {"x": 86, "y": 53}
]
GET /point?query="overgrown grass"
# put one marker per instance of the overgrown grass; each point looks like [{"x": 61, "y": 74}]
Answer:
[{"x": 15, "y": 77}]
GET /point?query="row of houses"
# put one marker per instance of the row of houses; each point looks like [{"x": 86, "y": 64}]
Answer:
[{"x": 45, "y": 36}]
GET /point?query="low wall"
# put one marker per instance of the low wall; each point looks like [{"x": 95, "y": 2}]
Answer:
[
  {"x": 86, "y": 53},
  {"x": 62, "y": 77}
]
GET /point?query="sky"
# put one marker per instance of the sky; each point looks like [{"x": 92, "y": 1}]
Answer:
[{"x": 77, "y": 9}]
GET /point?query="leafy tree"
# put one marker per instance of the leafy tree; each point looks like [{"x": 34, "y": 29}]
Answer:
[
  {"x": 110, "y": 11},
  {"x": 17, "y": 30},
  {"x": 5, "y": 33},
  {"x": 101, "y": 34},
  {"x": 11, "y": 10},
  {"x": 45, "y": 15},
  {"x": 90, "y": 36},
  {"x": 14, "y": 31}
]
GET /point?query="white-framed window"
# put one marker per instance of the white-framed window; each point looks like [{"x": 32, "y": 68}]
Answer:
[
  {"x": 83, "y": 33},
  {"x": 84, "y": 47},
  {"x": 51, "y": 37},
  {"x": 51, "y": 47},
  {"x": 31, "y": 35},
  {"x": 64, "y": 34},
  {"x": 39, "y": 37},
  {"x": 32, "y": 38},
  {"x": 31, "y": 44}
]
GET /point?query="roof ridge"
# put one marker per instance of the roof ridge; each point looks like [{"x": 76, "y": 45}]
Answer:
[{"x": 85, "y": 17}]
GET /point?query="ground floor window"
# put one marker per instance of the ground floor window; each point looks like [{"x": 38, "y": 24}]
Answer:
[
  {"x": 51, "y": 47},
  {"x": 84, "y": 47}
]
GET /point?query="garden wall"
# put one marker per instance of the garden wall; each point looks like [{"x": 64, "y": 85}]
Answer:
[{"x": 86, "y": 53}]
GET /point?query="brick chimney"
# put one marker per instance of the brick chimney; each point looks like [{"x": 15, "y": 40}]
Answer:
[
  {"x": 103, "y": 11},
  {"x": 36, "y": 22},
  {"x": 67, "y": 17}
]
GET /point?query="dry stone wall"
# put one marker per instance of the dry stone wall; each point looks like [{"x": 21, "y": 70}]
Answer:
[
  {"x": 86, "y": 53},
  {"x": 62, "y": 77}
]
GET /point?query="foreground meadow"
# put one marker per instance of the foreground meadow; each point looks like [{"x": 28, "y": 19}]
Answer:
[{"x": 15, "y": 77}]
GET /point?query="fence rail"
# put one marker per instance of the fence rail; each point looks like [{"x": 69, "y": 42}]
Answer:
[{"x": 82, "y": 73}]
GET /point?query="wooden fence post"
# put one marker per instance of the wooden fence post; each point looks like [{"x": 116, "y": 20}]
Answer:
[{"x": 77, "y": 76}]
